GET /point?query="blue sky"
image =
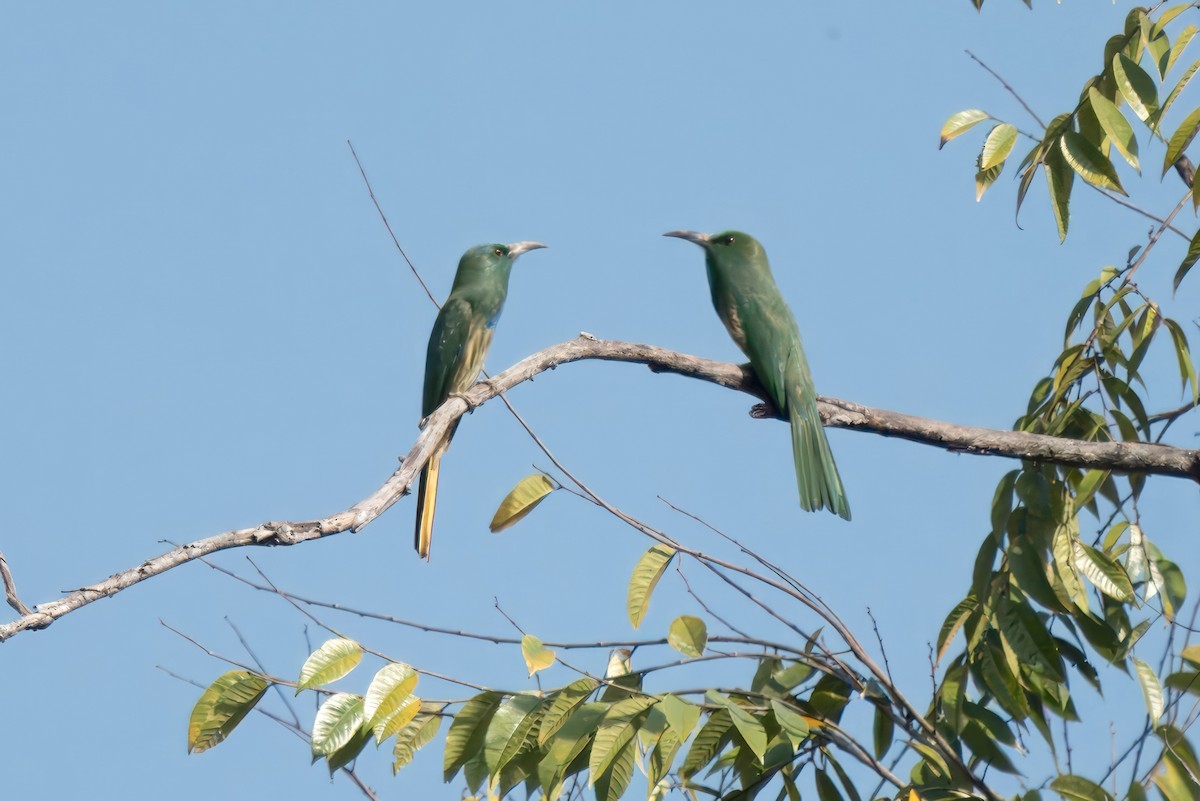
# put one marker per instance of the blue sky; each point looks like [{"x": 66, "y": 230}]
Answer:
[{"x": 205, "y": 326}]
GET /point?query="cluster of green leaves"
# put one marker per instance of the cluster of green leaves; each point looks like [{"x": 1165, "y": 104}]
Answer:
[
  {"x": 345, "y": 722},
  {"x": 1043, "y": 597},
  {"x": 1081, "y": 141}
]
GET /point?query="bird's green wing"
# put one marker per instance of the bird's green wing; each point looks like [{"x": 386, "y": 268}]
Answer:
[{"x": 457, "y": 347}]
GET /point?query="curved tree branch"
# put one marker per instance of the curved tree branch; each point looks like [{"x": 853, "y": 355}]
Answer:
[{"x": 1134, "y": 457}]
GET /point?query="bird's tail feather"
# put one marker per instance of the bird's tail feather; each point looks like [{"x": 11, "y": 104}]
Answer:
[
  {"x": 817, "y": 476},
  {"x": 427, "y": 503}
]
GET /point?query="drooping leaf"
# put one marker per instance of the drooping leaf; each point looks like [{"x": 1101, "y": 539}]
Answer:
[
  {"x": 1187, "y": 370},
  {"x": 688, "y": 635},
  {"x": 612, "y": 782},
  {"x": 1191, "y": 654},
  {"x": 537, "y": 656},
  {"x": 222, "y": 706},
  {"x": 1182, "y": 39},
  {"x": 412, "y": 737},
  {"x": 336, "y": 722},
  {"x": 1152, "y": 690},
  {"x": 826, "y": 789},
  {"x": 565, "y": 702},
  {"x": 997, "y": 146},
  {"x": 1107, "y": 576},
  {"x": 333, "y": 660},
  {"x": 1091, "y": 165},
  {"x": 385, "y": 727},
  {"x": 392, "y": 685},
  {"x": 954, "y": 621},
  {"x": 350, "y": 751},
  {"x": 646, "y": 574},
  {"x": 707, "y": 743},
  {"x": 749, "y": 727},
  {"x": 960, "y": 123},
  {"x": 883, "y": 730},
  {"x": 508, "y": 730},
  {"x": 615, "y": 732},
  {"x": 1059, "y": 178},
  {"x": 1174, "y": 93},
  {"x": 465, "y": 738},
  {"x": 794, "y": 725},
  {"x": 1119, "y": 131}
]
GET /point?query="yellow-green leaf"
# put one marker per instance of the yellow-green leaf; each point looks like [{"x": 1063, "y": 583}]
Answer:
[
  {"x": 388, "y": 690},
  {"x": 1193, "y": 253},
  {"x": 397, "y": 720},
  {"x": 414, "y": 736},
  {"x": 222, "y": 706},
  {"x": 537, "y": 656},
  {"x": 1191, "y": 654},
  {"x": 565, "y": 702},
  {"x": 334, "y": 659},
  {"x": 960, "y": 123},
  {"x": 1182, "y": 137},
  {"x": 529, "y": 492},
  {"x": 508, "y": 730},
  {"x": 646, "y": 574},
  {"x": 681, "y": 715},
  {"x": 749, "y": 727},
  {"x": 1077, "y": 788},
  {"x": 794, "y": 726},
  {"x": 614, "y": 732},
  {"x": 1092, "y": 165},
  {"x": 1059, "y": 178},
  {"x": 1119, "y": 131},
  {"x": 1182, "y": 40},
  {"x": 464, "y": 741},
  {"x": 1152, "y": 690},
  {"x": 688, "y": 635},
  {"x": 336, "y": 722},
  {"x": 1174, "y": 93},
  {"x": 997, "y": 146},
  {"x": 1136, "y": 86},
  {"x": 1104, "y": 573}
]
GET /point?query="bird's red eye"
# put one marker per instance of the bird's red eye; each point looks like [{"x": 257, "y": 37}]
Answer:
[{"x": 499, "y": 251}]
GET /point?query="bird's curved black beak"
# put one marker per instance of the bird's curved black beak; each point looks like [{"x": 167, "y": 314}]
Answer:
[
  {"x": 517, "y": 248},
  {"x": 692, "y": 236}
]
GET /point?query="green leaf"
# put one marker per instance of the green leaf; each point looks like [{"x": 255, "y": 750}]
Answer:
[
  {"x": 954, "y": 621},
  {"x": 350, "y": 751},
  {"x": 1107, "y": 576},
  {"x": 1136, "y": 86},
  {"x": 688, "y": 635},
  {"x": 612, "y": 783},
  {"x": 529, "y": 492},
  {"x": 1182, "y": 40},
  {"x": 681, "y": 715},
  {"x": 333, "y": 660},
  {"x": 508, "y": 730},
  {"x": 1059, "y": 177},
  {"x": 1187, "y": 371},
  {"x": 883, "y": 730},
  {"x": 1176, "y": 781},
  {"x": 1182, "y": 137},
  {"x": 1119, "y": 131},
  {"x": 565, "y": 702},
  {"x": 646, "y": 574},
  {"x": 1152, "y": 690},
  {"x": 1077, "y": 788},
  {"x": 1092, "y": 165},
  {"x": 1184, "y": 80},
  {"x": 615, "y": 732},
  {"x": 960, "y": 123},
  {"x": 465, "y": 738},
  {"x": 1193, "y": 254},
  {"x": 826, "y": 789},
  {"x": 392, "y": 685},
  {"x": 573, "y": 737},
  {"x": 748, "y": 726},
  {"x": 412, "y": 737},
  {"x": 537, "y": 656},
  {"x": 794, "y": 726},
  {"x": 1191, "y": 654},
  {"x": 222, "y": 706},
  {"x": 336, "y": 722},
  {"x": 997, "y": 146},
  {"x": 707, "y": 743},
  {"x": 389, "y": 725}
]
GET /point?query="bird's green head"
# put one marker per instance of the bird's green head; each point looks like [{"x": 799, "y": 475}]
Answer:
[
  {"x": 725, "y": 246},
  {"x": 494, "y": 260}
]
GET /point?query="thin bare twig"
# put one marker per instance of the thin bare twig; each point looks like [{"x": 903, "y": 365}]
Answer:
[{"x": 1007, "y": 86}]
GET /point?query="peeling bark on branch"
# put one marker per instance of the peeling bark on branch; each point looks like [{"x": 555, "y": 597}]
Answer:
[{"x": 1131, "y": 457}]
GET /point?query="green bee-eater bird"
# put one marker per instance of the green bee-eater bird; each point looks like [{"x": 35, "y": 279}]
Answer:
[
  {"x": 458, "y": 345},
  {"x": 748, "y": 302}
]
